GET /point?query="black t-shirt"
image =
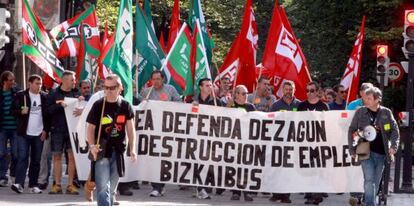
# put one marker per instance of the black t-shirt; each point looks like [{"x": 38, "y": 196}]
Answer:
[
  {"x": 319, "y": 106},
  {"x": 377, "y": 145},
  {"x": 114, "y": 120}
]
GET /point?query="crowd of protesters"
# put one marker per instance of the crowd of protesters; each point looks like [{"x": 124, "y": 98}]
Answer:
[{"x": 31, "y": 144}]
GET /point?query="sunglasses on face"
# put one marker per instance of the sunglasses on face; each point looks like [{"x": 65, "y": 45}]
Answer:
[
  {"x": 110, "y": 87},
  {"x": 342, "y": 92},
  {"x": 242, "y": 93},
  {"x": 310, "y": 90}
]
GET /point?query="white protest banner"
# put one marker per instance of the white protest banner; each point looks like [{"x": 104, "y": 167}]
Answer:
[
  {"x": 77, "y": 131},
  {"x": 284, "y": 152},
  {"x": 229, "y": 148}
]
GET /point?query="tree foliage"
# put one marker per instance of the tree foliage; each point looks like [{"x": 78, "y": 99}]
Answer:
[{"x": 326, "y": 28}]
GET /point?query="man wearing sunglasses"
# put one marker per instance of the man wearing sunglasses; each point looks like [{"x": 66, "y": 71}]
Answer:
[
  {"x": 106, "y": 135},
  {"x": 313, "y": 103},
  {"x": 340, "y": 98},
  {"x": 240, "y": 101}
]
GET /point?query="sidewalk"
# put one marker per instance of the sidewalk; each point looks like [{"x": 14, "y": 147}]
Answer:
[{"x": 174, "y": 196}]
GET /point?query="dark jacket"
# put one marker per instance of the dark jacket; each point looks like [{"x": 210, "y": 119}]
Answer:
[
  {"x": 56, "y": 111},
  {"x": 14, "y": 90},
  {"x": 385, "y": 121},
  {"x": 23, "y": 119}
]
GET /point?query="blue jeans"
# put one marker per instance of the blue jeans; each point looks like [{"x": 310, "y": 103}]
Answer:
[
  {"x": 372, "y": 169},
  {"x": 106, "y": 179},
  {"x": 24, "y": 145},
  {"x": 5, "y": 136}
]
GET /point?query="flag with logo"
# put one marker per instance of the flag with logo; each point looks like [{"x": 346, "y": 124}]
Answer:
[
  {"x": 37, "y": 45},
  {"x": 120, "y": 59},
  {"x": 148, "y": 51},
  {"x": 85, "y": 68},
  {"x": 199, "y": 63},
  {"x": 283, "y": 58},
  {"x": 66, "y": 35},
  {"x": 350, "y": 80},
  {"x": 177, "y": 65},
  {"x": 241, "y": 59},
  {"x": 196, "y": 13}
]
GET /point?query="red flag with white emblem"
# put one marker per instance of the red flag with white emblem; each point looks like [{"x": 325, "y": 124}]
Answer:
[
  {"x": 350, "y": 80},
  {"x": 241, "y": 59},
  {"x": 283, "y": 58}
]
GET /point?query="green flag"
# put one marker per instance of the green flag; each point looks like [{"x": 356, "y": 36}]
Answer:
[
  {"x": 120, "y": 60},
  {"x": 148, "y": 52},
  {"x": 177, "y": 64},
  {"x": 148, "y": 13},
  {"x": 196, "y": 13},
  {"x": 199, "y": 63}
]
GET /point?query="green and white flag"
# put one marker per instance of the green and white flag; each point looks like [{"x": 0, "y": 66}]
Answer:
[
  {"x": 177, "y": 65},
  {"x": 148, "y": 13},
  {"x": 196, "y": 13},
  {"x": 148, "y": 52},
  {"x": 199, "y": 61},
  {"x": 120, "y": 60}
]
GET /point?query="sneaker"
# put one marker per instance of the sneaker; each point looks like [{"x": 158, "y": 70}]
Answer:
[
  {"x": 353, "y": 201},
  {"x": 125, "y": 192},
  {"x": 163, "y": 191},
  {"x": 56, "y": 189},
  {"x": 275, "y": 197},
  {"x": 17, "y": 188},
  {"x": 4, "y": 183},
  {"x": 235, "y": 197},
  {"x": 202, "y": 194},
  {"x": 43, "y": 186},
  {"x": 247, "y": 197},
  {"x": 72, "y": 190},
  {"x": 35, "y": 190},
  {"x": 155, "y": 193},
  {"x": 286, "y": 200}
]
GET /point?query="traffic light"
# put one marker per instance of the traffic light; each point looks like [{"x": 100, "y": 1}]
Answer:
[
  {"x": 408, "y": 34},
  {"x": 4, "y": 27},
  {"x": 383, "y": 62}
]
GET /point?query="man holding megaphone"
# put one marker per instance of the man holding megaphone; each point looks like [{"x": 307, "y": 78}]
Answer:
[{"x": 373, "y": 138}]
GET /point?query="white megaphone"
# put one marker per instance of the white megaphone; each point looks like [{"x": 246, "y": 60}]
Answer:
[{"x": 369, "y": 133}]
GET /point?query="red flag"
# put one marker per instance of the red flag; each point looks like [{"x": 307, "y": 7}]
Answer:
[
  {"x": 48, "y": 81},
  {"x": 283, "y": 58},
  {"x": 103, "y": 70},
  {"x": 162, "y": 42},
  {"x": 174, "y": 25},
  {"x": 241, "y": 59},
  {"x": 350, "y": 80}
]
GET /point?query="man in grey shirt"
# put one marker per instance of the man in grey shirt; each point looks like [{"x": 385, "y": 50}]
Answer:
[
  {"x": 287, "y": 103},
  {"x": 159, "y": 90},
  {"x": 162, "y": 92},
  {"x": 262, "y": 98}
]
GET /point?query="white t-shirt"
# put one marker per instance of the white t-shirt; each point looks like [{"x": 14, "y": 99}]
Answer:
[{"x": 35, "y": 124}]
